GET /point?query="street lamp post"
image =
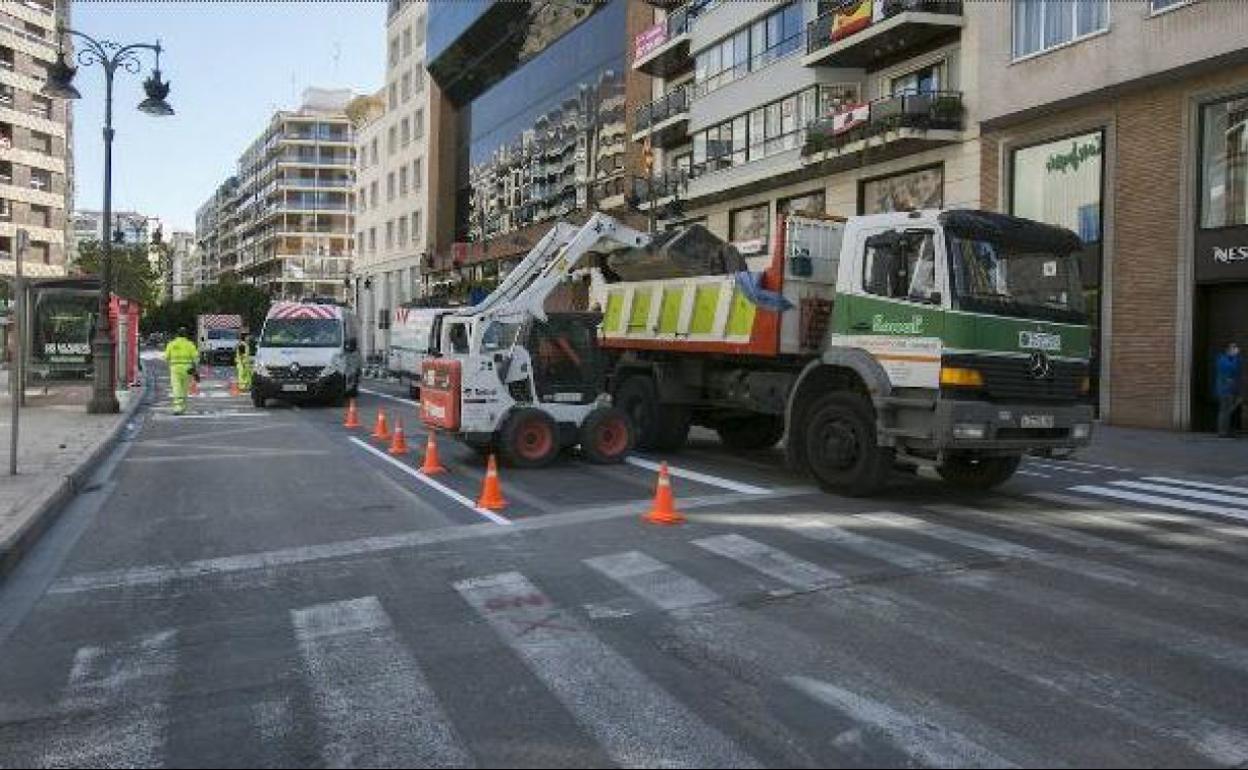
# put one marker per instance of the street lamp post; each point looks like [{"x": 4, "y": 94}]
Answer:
[{"x": 110, "y": 56}]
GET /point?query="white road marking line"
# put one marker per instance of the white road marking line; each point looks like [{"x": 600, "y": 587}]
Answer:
[
  {"x": 1198, "y": 494},
  {"x": 1092, "y": 465},
  {"x": 1055, "y": 467},
  {"x": 115, "y": 706},
  {"x": 790, "y": 570},
  {"x": 170, "y": 416},
  {"x": 400, "y": 399},
  {"x": 1032, "y": 473},
  {"x": 820, "y": 528},
  {"x": 1164, "y": 502},
  {"x": 422, "y": 478},
  {"x": 1105, "y": 507},
  {"x": 375, "y": 706},
  {"x": 926, "y": 743},
  {"x": 973, "y": 540},
  {"x": 1200, "y": 485},
  {"x": 654, "y": 581},
  {"x": 704, "y": 478},
  {"x": 637, "y": 723},
  {"x": 267, "y": 455}
]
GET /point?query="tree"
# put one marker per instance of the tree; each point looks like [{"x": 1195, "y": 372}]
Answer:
[
  {"x": 242, "y": 299},
  {"x": 134, "y": 277}
]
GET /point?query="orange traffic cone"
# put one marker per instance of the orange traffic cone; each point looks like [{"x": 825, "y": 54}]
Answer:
[
  {"x": 432, "y": 464},
  {"x": 381, "y": 430},
  {"x": 353, "y": 416},
  {"x": 234, "y": 391},
  {"x": 399, "y": 445},
  {"x": 491, "y": 493},
  {"x": 664, "y": 509}
]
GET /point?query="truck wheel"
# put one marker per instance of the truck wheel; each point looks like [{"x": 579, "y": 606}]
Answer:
[
  {"x": 530, "y": 439},
  {"x": 606, "y": 436},
  {"x": 662, "y": 427},
  {"x": 841, "y": 446},
  {"x": 971, "y": 472},
  {"x": 760, "y": 431}
]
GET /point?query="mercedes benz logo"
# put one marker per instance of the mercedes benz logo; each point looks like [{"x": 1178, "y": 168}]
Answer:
[
  {"x": 1039, "y": 366},
  {"x": 294, "y": 368}
]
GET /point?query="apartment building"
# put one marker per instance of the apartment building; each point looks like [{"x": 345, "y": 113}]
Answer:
[
  {"x": 35, "y": 138},
  {"x": 181, "y": 264},
  {"x": 1128, "y": 123},
  {"x": 392, "y": 243},
  {"x": 284, "y": 220},
  {"x": 762, "y": 109},
  {"x": 132, "y": 227}
]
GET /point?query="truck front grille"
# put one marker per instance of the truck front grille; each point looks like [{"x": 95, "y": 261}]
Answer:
[
  {"x": 1008, "y": 378},
  {"x": 304, "y": 374}
]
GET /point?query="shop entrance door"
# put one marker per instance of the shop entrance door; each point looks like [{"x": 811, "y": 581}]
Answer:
[{"x": 1221, "y": 316}]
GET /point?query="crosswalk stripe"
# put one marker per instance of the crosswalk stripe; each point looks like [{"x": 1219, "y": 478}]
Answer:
[
  {"x": 1098, "y": 466},
  {"x": 375, "y": 706},
  {"x": 702, "y": 478},
  {"x": 1196, "y": 494},
  {"x": 1062, "y": 468},
  {"x": 922, "y": 741},
  {"x": 1243, "y": 491},
  {"x": 973, "y": 540},
  {"x": 637, "y": 723},
  {"x": 118, "y": 698},
  {"x": 1163, "y": 502},
  {"x": 1105, "y": 507},
  {"x": 1035, "y": 474},
  {"x": 653, "y": 580},
  {"x": 823, "y": 529},
  {"x": 790, "y": 570}
]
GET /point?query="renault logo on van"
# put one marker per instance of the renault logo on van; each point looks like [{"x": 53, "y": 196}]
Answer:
[{"x": 1039, "y": 366}]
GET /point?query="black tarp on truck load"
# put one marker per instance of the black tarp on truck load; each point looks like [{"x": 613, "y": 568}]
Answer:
[{"x": 688, "y": 251}]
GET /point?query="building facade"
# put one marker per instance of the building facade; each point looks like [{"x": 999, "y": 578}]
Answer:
[
  {"x": 761, "y": 109},
  {"x": 181, "y": 265},
  {"x": 392, "y": 192},
  {"x": 1128, "y": 123},
  {"x": 285, "y": 220},
  {"x": 532, "y": 119},
  {"x": 36, "y": 191}
]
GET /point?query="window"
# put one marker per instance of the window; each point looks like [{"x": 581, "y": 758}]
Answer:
[
  {"x": 418, "y": 124},
  {"x": 405, "y": 131},
  {"x": 41, "y": 216},
  {"x": 394, "y": 51},
  {"x": 1043, "y": 24},
  {"x": 390, "y": 234},
  {"x": 921, "y": 81},
  {"x": 394, "y": 95},
  {"x": 920, "y": 189},
  {"x": 748, "y": 228},
  {"x": 1224, "y": 163},
  {"x": 901, "y": 269},
  {"x": 407, "y": 87},
  {"x": 1059, "y": 182},
  {"x": 407, "y": 42},
  {"x": 390, "y": 186},
  {"x": 372, "y": 239},
  {"x": 392, "y": 143},
  {"x": 6, "y": 95},
  {"x": 749, "y": 49},
  {"x": 416, "y": 231},
  {"x": 418, "y": 80},
  {"x": 757, "y": 134},
  {"x": 374, "y": 151},
  {"x": 417, "y": 179},
  {"x": 403, "y": 181},
  {"x": 40, "y": 179},
  {"x": 1157, "y": 6},
  {"x": 402, "y": 231},
  {"x": 374, "y": 197},
  {"x": 6, "y": 58},
  {"x": 41, "y": 142}
]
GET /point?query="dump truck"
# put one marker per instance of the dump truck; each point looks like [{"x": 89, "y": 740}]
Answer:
[
  {"x": 217, "y": 336},
  {"x": 955, "y": 340}
]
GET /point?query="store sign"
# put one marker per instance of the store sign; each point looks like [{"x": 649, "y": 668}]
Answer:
[
  {"x": 1222, "y": 254},
  {"x": 649, "y": 41}
]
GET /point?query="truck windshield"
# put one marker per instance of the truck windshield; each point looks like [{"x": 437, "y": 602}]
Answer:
[
  {"x": 222, "y": 334},
  {"x": 991, "y": 277},
  {"x": 301, "y": 333}
]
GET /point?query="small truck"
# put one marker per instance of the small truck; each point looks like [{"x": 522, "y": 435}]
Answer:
[{"x": 217, "y": 337}]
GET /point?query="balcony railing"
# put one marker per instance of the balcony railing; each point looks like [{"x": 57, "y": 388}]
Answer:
[
  {"x": 673, "y": 103},
  {"x": 23, "y": 34},
  {"x": 338, "y": 184},
  {"x": 819, "y": 33},
  {"x": 924, "y": 111},
  {"x": 660, "y": 186}
]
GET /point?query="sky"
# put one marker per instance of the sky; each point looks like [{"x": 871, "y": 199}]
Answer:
[{"x": 231, "y": 64}]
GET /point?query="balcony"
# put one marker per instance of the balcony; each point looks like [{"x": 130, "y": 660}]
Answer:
[
  {"x": 884, "y": 129},
  {"x": 665, "y": 121},
  {"x": 834, "y": 41},
  {"x": 663, "y": 49},
  {"x": 660, "y": 189}
]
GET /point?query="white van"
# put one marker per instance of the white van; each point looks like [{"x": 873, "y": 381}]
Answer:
[
  {"x": 409, "y": 343},
  {"x": 307, "y": 352}
]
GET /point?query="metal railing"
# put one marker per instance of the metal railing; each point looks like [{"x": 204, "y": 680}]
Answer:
[
  {"x": 665, "y": 185},
  {"x": 819, "y": 31},
  {"x": 672, "y": 103},
  {"x": 930, "y": 110}
]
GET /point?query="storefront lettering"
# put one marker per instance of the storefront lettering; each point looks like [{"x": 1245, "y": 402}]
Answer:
[
  {"x": 881, "y": 325},
  {"x": 67, "y": 348},
  {"x": 1230, "y": 254},
  {"x": 1064, "y": 161}
]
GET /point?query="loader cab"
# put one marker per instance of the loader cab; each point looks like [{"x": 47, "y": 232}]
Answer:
[{"x": 553, "y": 361}]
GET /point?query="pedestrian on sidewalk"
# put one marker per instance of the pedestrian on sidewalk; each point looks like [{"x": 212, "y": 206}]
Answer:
[
  {"x": 242, "y": 364},
  {"x": 181, "y": 354},
  {"x": 1228, "y": 375}
]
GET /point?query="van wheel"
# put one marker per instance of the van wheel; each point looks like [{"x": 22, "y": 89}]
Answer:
[
  {"x": 971, "y": 472},
  {"x": 663, "y": 427},
  {"x": 753, "y": 433},
  {"x": 530, "y": 439},
  {"x": 841, "y": 446},
  {"x": 606, "y": 436},
  {"x": 257, "y": 400}
]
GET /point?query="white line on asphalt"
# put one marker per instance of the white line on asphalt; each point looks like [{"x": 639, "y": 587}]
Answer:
[
  {"x": 820, "y": 527},
  {"x": 972, "y": 540},
  {"x": 400, "y": 399},
  {"x": 1032, "y": 473},
  {"x": 926, "y": 743},
  {"x": 1164, "y": 502},
  {"x": 1199, "y": 484},
  {"x": 704, "y": 478},
  {"x": 654, "y": 581},
  {"x": 637, "y": 723},
  {"x": 163, "y": 416},
  {"x": 1049, "y": 466},
  {"x": 1185, "y": 519},
  {"x": 375, "y": 706},
  {"x": 1092, "y": 465},
  {"x": 115, "y": 707},
  {"x": 790, "y": 570},
  {"x": 422, "y": 478},
  {"x": 1177, "y": 491},
  {"x": 270, "y": 454}
]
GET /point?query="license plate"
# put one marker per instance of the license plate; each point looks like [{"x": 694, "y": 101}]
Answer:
[
  {"x": 1036, "y": 421},
  {"x": 294, "y": 388}
]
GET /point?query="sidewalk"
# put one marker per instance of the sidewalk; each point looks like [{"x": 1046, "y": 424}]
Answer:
[
  {"x": 58, "y": 447},
  {"x": 1201, "y": 454}
]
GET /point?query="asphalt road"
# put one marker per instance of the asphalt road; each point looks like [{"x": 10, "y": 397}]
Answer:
[{"x": 262, "y": 588}]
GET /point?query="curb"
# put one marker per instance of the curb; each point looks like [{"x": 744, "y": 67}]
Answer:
[{"x": 54, "y": 502}]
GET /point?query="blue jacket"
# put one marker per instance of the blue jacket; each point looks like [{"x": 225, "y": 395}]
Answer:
[{"x": 1228, "y": 374}]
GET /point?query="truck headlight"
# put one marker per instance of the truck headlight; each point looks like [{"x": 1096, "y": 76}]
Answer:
[
  {"x": 970, "y": 430},
  {"x": 1081, "y": 430}
]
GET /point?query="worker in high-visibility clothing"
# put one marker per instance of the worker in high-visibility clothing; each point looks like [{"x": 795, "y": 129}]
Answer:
[
  {"x": 242, "y": 365},
  {"x": 181, "y": 354}
]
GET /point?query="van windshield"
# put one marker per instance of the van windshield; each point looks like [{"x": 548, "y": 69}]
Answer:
[
  {"x": 301, "y": 333},
  {"x": 222, "y": 334}
]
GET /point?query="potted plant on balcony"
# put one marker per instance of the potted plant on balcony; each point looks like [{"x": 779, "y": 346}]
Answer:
[{"x": 946, "y": 110}]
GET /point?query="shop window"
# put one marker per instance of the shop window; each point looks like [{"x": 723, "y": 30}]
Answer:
[
  {"x": 919, "y": 189},
  {"x": 1224, "y": 164},
  {"x": 1043, "y": 24}
]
